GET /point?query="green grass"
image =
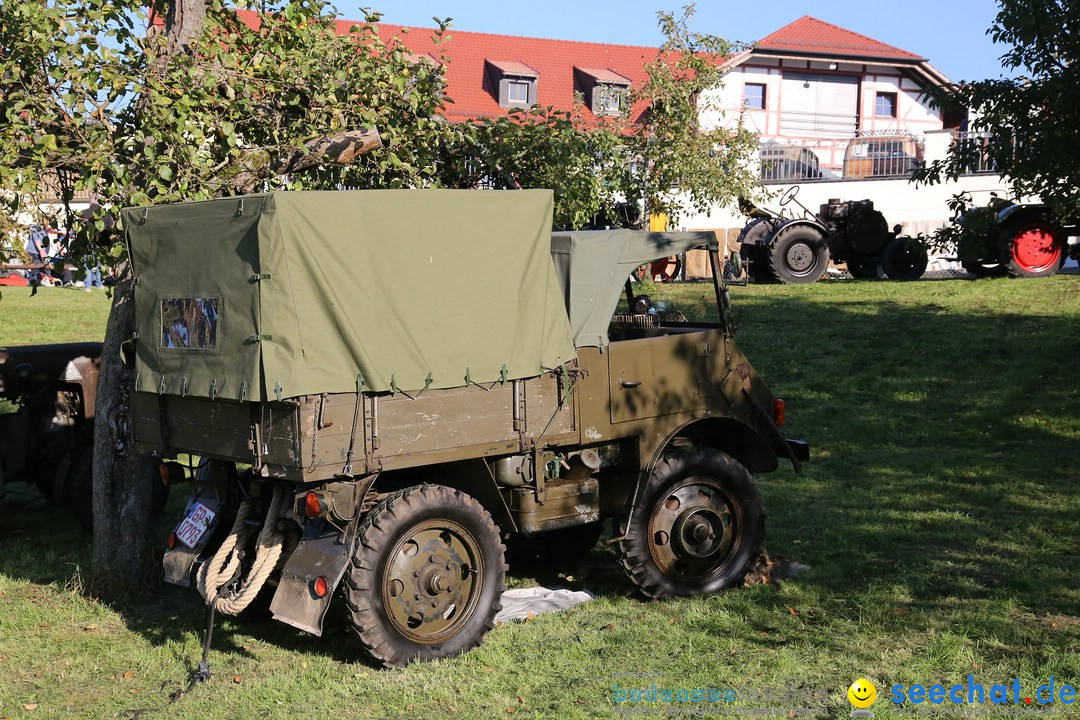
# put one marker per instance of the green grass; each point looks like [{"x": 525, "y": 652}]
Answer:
[
  {"x": 938, "y": 517},
  {"x": 53, "y": 315}
]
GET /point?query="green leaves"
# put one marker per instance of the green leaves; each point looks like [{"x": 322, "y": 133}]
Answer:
[{"x": 1030, "y": 121}]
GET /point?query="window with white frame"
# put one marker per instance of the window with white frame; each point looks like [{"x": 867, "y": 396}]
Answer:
[
  {"x": 885, "y": 104},
  {"x": 754, "y": 96}
]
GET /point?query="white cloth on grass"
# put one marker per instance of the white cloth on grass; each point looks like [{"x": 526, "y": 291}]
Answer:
[{"x": 518, "y": 603}]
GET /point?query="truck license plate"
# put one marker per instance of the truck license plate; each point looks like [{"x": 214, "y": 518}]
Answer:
[{"x": 192, "y": 528}]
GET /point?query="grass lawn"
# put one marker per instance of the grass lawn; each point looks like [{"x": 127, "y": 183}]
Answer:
[{"x": 938, "y": 515}]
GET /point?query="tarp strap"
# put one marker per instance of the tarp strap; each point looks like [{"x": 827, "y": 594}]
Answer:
[{"x": 347, "y": 470}]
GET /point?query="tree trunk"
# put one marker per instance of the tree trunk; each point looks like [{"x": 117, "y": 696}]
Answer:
[
  {"x": 122, "y": 478},
  {"x": 183, "y": 23},
  {"x": 122, "y": 497}
]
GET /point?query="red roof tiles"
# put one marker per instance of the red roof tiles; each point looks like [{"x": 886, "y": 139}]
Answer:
[
  {"x": 553, "y": 62},
  {"x": 810, "y": 35}
]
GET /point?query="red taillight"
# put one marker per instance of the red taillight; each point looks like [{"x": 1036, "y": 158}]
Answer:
[
  {"x": 170, "y": 542},
  {"x": 163, "y": 471},
  {"x": 778, "y": 413},
  {"x": 313, "y": 505},
  {"x": 320, "y": 587}
]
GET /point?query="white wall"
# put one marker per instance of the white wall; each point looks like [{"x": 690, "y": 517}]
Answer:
[{"x": 919, "y": 209}]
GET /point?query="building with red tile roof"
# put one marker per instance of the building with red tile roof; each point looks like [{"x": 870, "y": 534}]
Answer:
[
  {"x": 487, "y": 75},
  {"x": 816, "y": 85}
]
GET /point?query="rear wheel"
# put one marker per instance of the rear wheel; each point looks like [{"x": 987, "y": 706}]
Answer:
[
  {"x": 665, "y": 269},
  {"x": 904, "y": 259},
  {"x": 696, "y": 528},
  {"x": 426, "y": 576},
  {"x": 798, "y": 254},
  {"x": 1032, "y": 246}
]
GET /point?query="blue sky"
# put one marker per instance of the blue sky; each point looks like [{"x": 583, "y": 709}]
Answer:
[{"x": 951, "y": 34}]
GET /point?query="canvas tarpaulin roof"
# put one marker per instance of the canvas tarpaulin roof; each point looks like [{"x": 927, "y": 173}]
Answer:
[
  {"x": 296, "y": 293},
  {"x": 593, "y": 266}
]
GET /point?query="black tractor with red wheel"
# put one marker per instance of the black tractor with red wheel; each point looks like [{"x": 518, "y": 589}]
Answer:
[
  {"x": 1016, "y": 239},
  {"x": 796, "y": 246}
]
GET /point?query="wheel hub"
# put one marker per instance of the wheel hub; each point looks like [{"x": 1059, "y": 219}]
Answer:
[
  {"x": 699, "y": 531},
  {"x": 799, "y": 257},
  {"x": 432, "y": 581},
  {"x": 694, "y": 529},
  {"x": 1034, "y": 249}
]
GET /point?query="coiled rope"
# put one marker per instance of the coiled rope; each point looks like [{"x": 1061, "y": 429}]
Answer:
[{"x": 217, "y": 574}]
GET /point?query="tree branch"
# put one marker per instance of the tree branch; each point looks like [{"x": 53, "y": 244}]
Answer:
[{"x": 255, "y": 165}]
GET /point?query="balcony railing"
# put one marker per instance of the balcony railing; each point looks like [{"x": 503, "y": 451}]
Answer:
[{"x": 867, "y": 155}]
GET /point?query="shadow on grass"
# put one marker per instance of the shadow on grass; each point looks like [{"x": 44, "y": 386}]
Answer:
[{"x": 944, "y": 474}]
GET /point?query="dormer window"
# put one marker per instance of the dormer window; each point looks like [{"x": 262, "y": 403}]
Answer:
[
  {"x": 514, "y": 84},
  {"x": 517, "y": 92},
  {"x": 605, "y": 90}
]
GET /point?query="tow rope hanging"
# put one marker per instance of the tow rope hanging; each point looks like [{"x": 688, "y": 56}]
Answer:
[{"x": 215, "y": 577}]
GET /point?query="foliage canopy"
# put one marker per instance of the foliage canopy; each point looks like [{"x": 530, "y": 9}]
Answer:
[
  {"x": 1031, "y": 120},
  {"x": 193, "y": 99}
]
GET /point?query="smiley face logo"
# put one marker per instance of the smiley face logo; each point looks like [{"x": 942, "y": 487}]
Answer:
[{"x": 862, "y": 693}]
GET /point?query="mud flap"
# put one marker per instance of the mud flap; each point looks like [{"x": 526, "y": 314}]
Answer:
[
  {"x": 323, "y": 551},
  {"x": 180, "y": 559}
]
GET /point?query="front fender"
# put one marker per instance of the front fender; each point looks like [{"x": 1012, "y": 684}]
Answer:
[{"x": 735, "y": 438}]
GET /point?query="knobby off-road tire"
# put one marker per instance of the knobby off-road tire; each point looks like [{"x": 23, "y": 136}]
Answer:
[
  {"x": 798, "y": 254},
  {"x": 426, "y": 577},
  {"x": 696, "y": 528},
  {"x": 1031, "y": 246}
]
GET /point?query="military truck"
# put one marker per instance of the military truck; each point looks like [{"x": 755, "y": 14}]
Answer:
[{"x": 374, "y": 425}]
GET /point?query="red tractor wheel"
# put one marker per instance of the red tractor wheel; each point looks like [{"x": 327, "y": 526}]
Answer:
[
  {"x": 1032, "y": 246},
  {"x": 665, "y": 269}
]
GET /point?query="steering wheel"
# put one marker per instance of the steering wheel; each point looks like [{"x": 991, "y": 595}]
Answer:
[{"x": 789, "y": 195}]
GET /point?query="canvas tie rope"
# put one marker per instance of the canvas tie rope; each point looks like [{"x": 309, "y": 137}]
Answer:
[{"x": 216, "y": 575}]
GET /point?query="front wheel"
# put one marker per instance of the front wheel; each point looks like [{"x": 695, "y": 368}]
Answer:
[
  {"x": 863, "y": 267},
  {"x": 426, "y": 577},
  {"x": 696, "y": 528},
  {"x": 798, "y": 254},
  {"x": 904, "y": 259}
]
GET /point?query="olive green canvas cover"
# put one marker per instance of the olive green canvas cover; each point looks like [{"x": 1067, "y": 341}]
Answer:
[
  {"x": 593, "y": 266},
  {"x": 286, "y": 294}
]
